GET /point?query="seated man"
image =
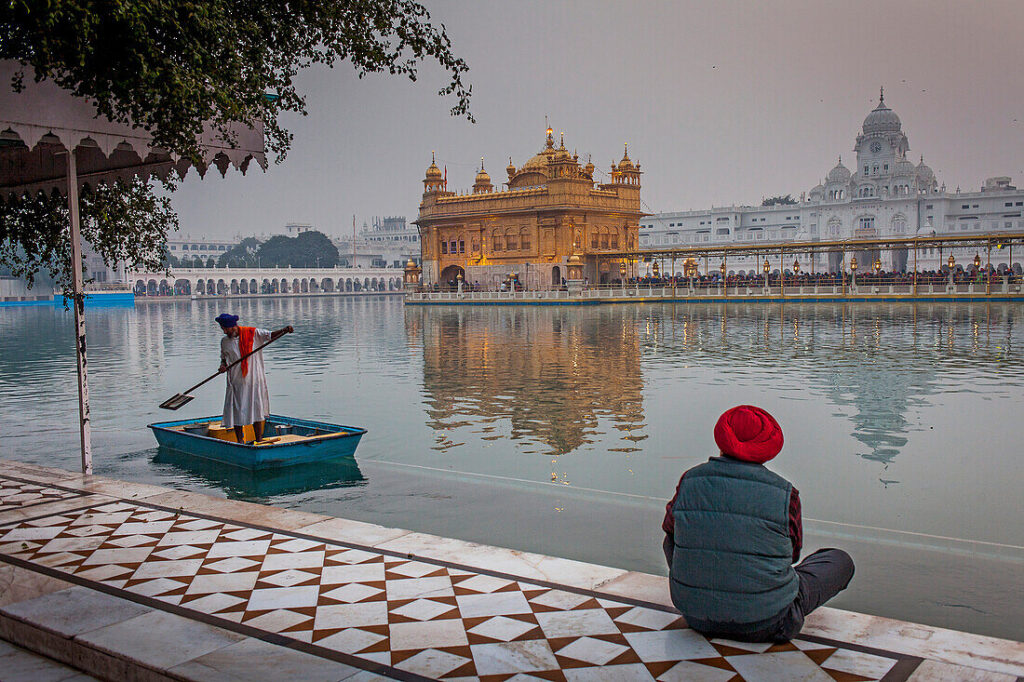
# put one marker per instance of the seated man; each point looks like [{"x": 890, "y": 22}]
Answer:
[{"x": 734, "y": 531}]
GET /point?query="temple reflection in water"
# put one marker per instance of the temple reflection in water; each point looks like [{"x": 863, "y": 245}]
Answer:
[
  {"x": 551, "y": 373},
  {"x": 548, "y": 376}
]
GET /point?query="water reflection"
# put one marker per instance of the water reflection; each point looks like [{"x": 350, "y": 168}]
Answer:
[
  {"x": 263, "y": 484},
  {"x": 553, "y": 374},
  {"x": 872, "y": 363}
]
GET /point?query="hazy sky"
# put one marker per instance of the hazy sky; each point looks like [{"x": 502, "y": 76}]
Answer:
[{"x": 721, "y": 102}]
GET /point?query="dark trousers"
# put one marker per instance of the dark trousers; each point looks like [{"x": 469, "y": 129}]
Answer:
[{"x": 822, "y": 575}]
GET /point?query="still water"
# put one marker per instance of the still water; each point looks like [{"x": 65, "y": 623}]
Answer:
[{"x": 563, "y": 430}]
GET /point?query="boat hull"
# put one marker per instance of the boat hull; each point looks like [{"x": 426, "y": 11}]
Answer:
[{"x": 323, "y": 441}]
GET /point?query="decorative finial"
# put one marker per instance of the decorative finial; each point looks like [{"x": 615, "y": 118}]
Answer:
[
  {"x": 482, "y": 163},
  {"x": 840, "y": 159},
  {"x": 562, "y": 139},
  {"x": 625, "y": 149},
  {"x": 881, "y": 94},
  {"x": 432, "y": 156}
]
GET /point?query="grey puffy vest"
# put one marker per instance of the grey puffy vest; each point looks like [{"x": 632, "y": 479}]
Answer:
[{"x": 732, "y": 561}]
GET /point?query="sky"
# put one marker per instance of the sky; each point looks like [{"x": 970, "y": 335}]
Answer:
[{"x": 721, "y": 102}]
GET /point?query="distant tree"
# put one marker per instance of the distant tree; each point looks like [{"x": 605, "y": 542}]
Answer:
[
  {"x": 123, "y": 222},
  {"x": 307, "y": 250},
  {"x": 241, "y": 255},
  {"x": 210, "y": 263},
  {"x": 779, "y": 200}
]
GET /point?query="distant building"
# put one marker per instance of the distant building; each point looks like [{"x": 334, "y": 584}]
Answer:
[
  {"x": 188, "y": 248},
  {"x": 884, "y": 195},
  {"x": 295, "y": 229},
  {"x": 389, "y": 243},
  {"x": 552, "y": 209}
]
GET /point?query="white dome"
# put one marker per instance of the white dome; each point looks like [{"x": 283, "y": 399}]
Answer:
[
  {"x": 924, "y": 172},
  {"x": 904, "y": 167},
  {"x": 840, "y": 173},
  {"x": 882, "y": 119}
]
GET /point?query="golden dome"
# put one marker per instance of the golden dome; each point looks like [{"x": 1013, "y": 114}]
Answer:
[
  {"x": 538, "y": 162},
  {"x": 433, "y": 172},
  {"x": 511, "y": 168},
  {"x": 411, "y": 265},
  {"x": 482, "y": 176},
  {"x": 625, "y": 164}
]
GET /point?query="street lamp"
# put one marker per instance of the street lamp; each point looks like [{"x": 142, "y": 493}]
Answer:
[
  {"x": 796, "y": 267},
  {"x": 951, "y": 261},
  {"x": 877, "y": 265},
  {"x": 853, "y": 271},
  {"x": 622, "y": 272},
  {"x": 655, "y": 269},
  {"x": 977, "y": 261},
  {"x": 767, "y": 267}
]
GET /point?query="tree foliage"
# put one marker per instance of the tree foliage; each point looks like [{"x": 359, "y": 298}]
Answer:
[
  {"x": 173, "y": 67},
  {"x": 124, "y": 223},
  {"x": 241, "y": 255},
  {"x": 307, "y": 250},
  {"x": 779, "y": 200}
]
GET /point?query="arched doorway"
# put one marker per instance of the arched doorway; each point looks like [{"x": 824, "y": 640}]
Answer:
[
  {"x": 556, "y": 276},
  {"x": 449, "y": 276}
]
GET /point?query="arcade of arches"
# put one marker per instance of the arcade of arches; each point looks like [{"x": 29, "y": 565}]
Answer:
[{"x": 153, "y": 285}]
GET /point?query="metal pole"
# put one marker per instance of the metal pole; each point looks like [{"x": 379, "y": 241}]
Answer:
[
  {"x": 915, "y": 267},
  {"x": 85, "y": 427},
  {"x": 988, "y": 267},
  {"x": 782, "y": 271}
]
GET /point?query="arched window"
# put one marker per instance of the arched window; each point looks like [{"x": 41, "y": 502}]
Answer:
[
  {"x": 899, "y": 224},
  {"x": 511, "y": 241},
  {"x": 834, "y": 227},
  {"x": 604, "y": 238},
  {"x": 524, "y": 239},
  {"x": 497, "y": 241},
  {"x": 614, "y": 241},
  {"x": 595, "y": 238}
]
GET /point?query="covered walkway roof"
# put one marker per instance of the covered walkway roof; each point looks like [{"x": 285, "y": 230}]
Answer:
[{"x": 944, "y": 241}]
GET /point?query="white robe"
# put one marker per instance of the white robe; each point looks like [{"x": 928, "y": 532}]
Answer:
[{"x": 246, "y": 400}]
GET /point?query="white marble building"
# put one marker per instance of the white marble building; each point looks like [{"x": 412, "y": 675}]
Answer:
[{"x": 885, "y": 194}]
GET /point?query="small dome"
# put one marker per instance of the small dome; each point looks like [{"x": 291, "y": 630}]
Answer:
[
  {"x": 410, "y": 265},
  {"x": 882, "y": 119},
  {"x": 817, "y": 189},
  {"x": 924, "y": 172},
  {"x": 840, "y": 173},
  {"x": 904, "y": 167},
  {"x": 625, "y": 164},
  {"x": 510, "y": 168},
  {"x": 433, "y": 172},
  {"x": 482, "y": 177}
]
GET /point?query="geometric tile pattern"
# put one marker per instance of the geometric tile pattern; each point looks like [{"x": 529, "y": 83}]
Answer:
[
  {"x": 16, "y": 494},
  {"x": 428, "y": 619}
]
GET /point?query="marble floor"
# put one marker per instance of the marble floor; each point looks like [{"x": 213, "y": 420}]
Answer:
[{"x": 385, "y": 611}]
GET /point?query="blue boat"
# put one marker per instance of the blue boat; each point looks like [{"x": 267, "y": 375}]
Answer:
[{"x": 286, "y": 441}]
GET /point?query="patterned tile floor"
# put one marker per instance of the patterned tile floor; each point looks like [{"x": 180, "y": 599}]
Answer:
[
  {"x": 410, "y": 619},
  {"x": 18, "y": 494}
]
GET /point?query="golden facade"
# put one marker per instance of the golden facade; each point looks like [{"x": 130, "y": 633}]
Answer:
[{"x": 551, "y": 209}]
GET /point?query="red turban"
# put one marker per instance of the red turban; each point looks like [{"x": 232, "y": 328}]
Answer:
[{"x": 748, "y": 433}]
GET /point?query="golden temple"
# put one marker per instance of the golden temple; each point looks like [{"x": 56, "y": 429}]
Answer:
[{"x": 551, "y": 210}]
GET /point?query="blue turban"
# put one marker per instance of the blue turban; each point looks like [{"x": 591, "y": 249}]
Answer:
[{"x": 227, "y": 320}]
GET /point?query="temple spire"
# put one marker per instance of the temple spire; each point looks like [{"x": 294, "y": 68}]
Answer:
[{"x": 881, "y": 94}]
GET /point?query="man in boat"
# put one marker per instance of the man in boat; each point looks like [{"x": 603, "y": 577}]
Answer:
[
  {"x": 246, "y": 400},
  {"x": 734, "y": 531}
]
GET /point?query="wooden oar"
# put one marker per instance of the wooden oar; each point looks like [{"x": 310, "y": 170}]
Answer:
[{"x": 179, "y": 399}]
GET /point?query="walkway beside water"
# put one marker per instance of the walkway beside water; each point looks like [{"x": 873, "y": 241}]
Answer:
[
  {"x": 134, "y": 581},
  {"x": 1004, "y": 290}
]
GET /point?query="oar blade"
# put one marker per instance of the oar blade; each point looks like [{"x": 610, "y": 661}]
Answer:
[{"x": 176, "y": 401}]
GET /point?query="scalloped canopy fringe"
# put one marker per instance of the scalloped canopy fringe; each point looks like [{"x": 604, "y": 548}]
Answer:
[{"x": 39, "y": 125}]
